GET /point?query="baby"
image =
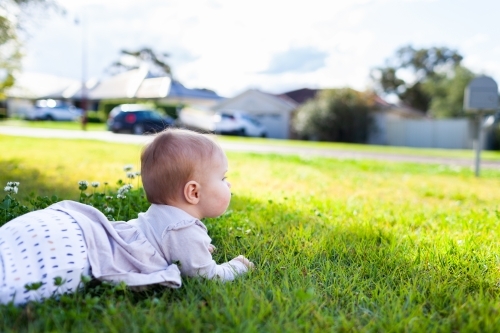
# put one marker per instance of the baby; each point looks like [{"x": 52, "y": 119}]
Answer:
[{"x": 47, "y": 252}]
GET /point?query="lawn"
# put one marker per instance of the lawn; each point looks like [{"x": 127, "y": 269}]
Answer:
[
  {"x": 431, "y": 152},
  {"x": 339, "y": 245},
  {"x": 66, "y": 125}
]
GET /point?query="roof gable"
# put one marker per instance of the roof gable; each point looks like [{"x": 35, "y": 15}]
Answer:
[
  {"x": 256, "y": 100},
  {"x": 123, "y": 85}
]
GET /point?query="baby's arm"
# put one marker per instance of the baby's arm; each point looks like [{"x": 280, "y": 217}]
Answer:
[{"x": 191, "y": 248}]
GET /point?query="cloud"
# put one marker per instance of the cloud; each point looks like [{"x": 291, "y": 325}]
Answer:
[{"x": 303, "y": 60}]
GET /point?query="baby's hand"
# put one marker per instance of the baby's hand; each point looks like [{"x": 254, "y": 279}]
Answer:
[
  {"x": 211, "y": 248},
  {"x": 245, "y": 261}
]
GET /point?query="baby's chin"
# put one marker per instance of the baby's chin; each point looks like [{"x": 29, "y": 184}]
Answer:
[{"x": 218, "y": 213}]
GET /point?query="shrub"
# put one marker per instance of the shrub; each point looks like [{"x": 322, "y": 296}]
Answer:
[
  {"x": 96, "y": 117},
  {"x": 336, "y": 115}
]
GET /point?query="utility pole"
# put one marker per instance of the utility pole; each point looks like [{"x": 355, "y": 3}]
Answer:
[{"x": 83, "y": 97}]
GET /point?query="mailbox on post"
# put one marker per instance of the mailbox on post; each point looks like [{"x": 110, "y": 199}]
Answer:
[{"x": 481, "y": 96}]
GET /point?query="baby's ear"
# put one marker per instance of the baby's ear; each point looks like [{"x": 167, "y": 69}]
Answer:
[{"x": 192, "y": 192}]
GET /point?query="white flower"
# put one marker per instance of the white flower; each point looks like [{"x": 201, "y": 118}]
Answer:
[
  {"x": 95, "y": 184},
  {"x": 137, "y": 173},
  {"x": 11, "y": 187},
  {"x": 122, "y": 190},
  {"x": 128, "y": 167},
  {"x": 125, "y": 188},
  {"x": 82, "y": 185},
  {"x": 109, "y": 209},
  {"x": 131, "y": 175}
]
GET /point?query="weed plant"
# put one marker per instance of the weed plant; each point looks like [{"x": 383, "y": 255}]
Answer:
[{"x": 339, "y": 246}]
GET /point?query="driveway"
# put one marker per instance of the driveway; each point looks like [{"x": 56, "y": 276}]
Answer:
[{"x": 248, "y": 147}]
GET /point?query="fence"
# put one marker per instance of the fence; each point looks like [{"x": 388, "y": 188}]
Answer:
[{"x": 424, "y": 133}]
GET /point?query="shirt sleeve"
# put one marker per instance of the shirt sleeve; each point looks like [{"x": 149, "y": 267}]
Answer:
[{"x": 188, "y": 247}]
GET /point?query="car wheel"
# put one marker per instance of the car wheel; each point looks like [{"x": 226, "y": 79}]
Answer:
[
  {"x": 263, "y": 135},
  {"x": 241, "y": 132},
  {"x": 49, "y": 117},
  {"x": 138, "y": 129}
]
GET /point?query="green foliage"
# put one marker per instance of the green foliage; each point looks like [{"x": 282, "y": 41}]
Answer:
[
  {"x": 341, "y": 115},
  {"x": 422, "y": 65},
  {"x": 169, "y": 109},
  {"x": 12, "y": 18},
  {"x": 95, "y": 117},
  {"x": 447, "y": 91},
  {"x": 10, "y": 54}
]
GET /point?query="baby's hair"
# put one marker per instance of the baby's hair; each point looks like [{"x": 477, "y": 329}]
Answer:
[{"x": 171, "y": 160}]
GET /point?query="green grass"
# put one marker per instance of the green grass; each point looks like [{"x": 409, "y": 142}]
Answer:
[
  {"x": 66, "y": 125},
  {"x": 339, "y": 245},
  {"x": 431, "y": 152}
]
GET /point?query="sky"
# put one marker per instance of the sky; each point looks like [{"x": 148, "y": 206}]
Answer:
[{"x": 276, "y": 46}]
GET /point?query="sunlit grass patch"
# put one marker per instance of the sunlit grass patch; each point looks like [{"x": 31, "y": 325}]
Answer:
[
  {"x": 66, "y": 125},
  {"x": 339, "y": 245}
]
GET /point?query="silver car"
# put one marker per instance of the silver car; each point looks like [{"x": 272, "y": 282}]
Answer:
[{"x": 53, "y": 110}]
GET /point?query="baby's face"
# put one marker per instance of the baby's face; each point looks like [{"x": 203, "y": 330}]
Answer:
[{"x": 215, "y": 192}]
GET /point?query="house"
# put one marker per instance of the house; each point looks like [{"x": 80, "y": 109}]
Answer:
[
  {"x": 139, "y": 84},
  {"x": 274, "y": 112},
  {"x": 31, "y": 86},
  {"x": 132, "y": 86}
]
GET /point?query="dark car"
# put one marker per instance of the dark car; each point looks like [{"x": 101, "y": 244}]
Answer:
[{"x": 136, "y": 119}]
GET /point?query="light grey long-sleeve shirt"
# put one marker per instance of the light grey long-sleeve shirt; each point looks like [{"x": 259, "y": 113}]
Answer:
[{"x": 157, "y": 247}]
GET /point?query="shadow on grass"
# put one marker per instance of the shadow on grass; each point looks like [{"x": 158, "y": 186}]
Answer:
[{"x": 311, "y": 274}]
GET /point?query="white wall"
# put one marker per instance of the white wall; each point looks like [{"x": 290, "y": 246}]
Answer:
[
  {"x": 18, "y": 107},
  {"x": 423, "y": 133},
  {"x": 270, "y": 110},
  {"x": 277, "y": 124}
]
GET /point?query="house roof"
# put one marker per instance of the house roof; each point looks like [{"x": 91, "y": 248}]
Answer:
[
  {"x": 300, "y": 96},
  {"x": 123, "y": 85},
  {"x": 136, "y": 83},
  {"x": 37, "y": 86},
  {"x": 257, "y": 101},
  {"x": 404, "y": 111}
]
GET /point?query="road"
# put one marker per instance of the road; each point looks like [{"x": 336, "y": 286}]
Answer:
[{"x": 247, "y": 147}]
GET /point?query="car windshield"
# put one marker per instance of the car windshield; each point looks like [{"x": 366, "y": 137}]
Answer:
[{"x": 226, "y": 116}]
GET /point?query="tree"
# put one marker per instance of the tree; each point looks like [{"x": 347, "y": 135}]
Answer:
[
  {"x": 447, "y": 91},
  {"x": 12, "y": 16},
  {"x": 336, "y": 115},
  {"x": 134, "y": 59},
  {"x": 409, "y": 70}
]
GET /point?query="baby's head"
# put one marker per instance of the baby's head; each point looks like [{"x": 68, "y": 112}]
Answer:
[{"x": 177, "y": 158}]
